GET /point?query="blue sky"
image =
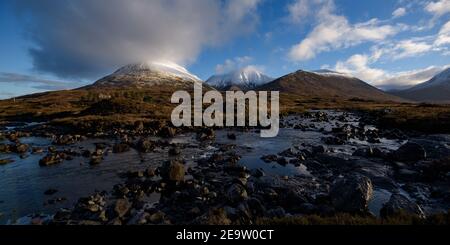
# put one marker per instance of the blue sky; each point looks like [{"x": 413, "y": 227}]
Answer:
[{"x": 61, "y": 44}]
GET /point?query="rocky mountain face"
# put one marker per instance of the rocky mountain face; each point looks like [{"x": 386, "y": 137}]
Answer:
[{"x": 436, "y": 90}]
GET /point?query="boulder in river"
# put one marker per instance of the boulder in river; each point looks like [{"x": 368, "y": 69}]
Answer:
[
  {"x": 145, "y": 145},
  {"x": 352, "y": 194},
  {"x": 121, "y": 207},
  {"x": 410, "y": 152},
  {"x": 50, "y": 159},
  {"x": 236, "y": 193},
  {"x": 121, "y": 148},
  {"x": 173, "y": 170},
  {"x": 399, "y": 204}
]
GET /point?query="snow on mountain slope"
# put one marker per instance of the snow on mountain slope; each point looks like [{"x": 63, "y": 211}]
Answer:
[
  {"x": 245, "y": 78},
  {"x": 149, "y": 74},
  {"x": 167, "y": 68},
  {"x": 441, "y": 79}
]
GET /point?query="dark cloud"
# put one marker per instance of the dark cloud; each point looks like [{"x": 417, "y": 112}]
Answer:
[{"x": 86, "y": 38}]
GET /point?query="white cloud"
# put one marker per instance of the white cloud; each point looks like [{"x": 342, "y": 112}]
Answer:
[
  {"x": 360, "y": 66},
  {"x": 399, "y": 12},
  {"x": 299, "y": 10},
  {"x": 443, "y": 37},
  {"x": 438, "y": 8},
  {"x": 410, "y": 48},
  {"x": 88, "y": 38},
  {"x": 334, "y": 31},
  {"x": 233, "y": 64}
]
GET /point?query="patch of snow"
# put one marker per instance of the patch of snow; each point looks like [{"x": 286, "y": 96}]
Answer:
[{"x": 248, "y": 77}]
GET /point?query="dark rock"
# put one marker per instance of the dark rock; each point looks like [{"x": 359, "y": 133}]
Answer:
[
  {"x": 206, "y": 134},
  {"x": 174, "y": 151},
  {"x": 20, "y": 148},
  {"x": 333, "y": 141},
  {"x": 120, "y": 148},
  {"x": 231, "y": 136},
  {"x": 257, "y": 173},
  {"x": 121, "y": 207},
  {"x": 5, "y": 161},
  {"x": 352, "y": 194},
  {"x": 318, "y": 149},
  {"x": 410, "y": 152},
  {"x": 168, "y": 132},
  {"x": 173, "y": 170},
  {"x": 37, "y": 150},
  {"x": 5, "y": 148},
  {"x": 269, "y": 158},
  {"x": 236, "y": 193},
  {"x": 398, "y": 205},
  {"x": 368, "y": 152},
  {"x": 50, "y": 159},
  {"x": 145, "y": 146},
  {"x": 157, "y": 217}
]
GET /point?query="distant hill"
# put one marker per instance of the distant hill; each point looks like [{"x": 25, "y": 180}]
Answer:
[{"x": 327, "y": 84}]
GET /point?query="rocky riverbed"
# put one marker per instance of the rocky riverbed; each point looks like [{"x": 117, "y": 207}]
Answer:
[{"x": 322, "y": 162}]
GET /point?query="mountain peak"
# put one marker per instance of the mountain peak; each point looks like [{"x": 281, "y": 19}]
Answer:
[
  {"x": 149, "y": 74},
  {"x": 168, "y": 68},
  {"x": 245, "y": 78}
]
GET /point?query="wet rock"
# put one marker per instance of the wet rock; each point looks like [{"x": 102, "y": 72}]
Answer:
[
  {"x": 333, "y": 141},
  {"x": 121, "y": 148},
  {"x": 399, "y": 204},
  {"x": 52, "y": 149},
  {"x": 236, "y": 193},
  {"x": 50, "y": 159},
  {"x": 410, "y": 152},
  {"x": 20, "y": 148},
  {"x": 5, "y": 148},
  {"x": 318, "y": 149},
  {"x": 216, "y": 216},
  {"x": 145, "y": 145},
  {"x": 96, "y": 160},
  {"x": 173, "y": 170},
  {"x": 121, "y": 207},
  {"x": 150, "y": 172},
  {"x": 37, "y": 150},
  {"x": 174, "y": 151},
  {"x": 368, "y": 152},
  {"x": 352, "y": 194},
  {"x": 269, "y": 158},
  {"x": 206, "y": 134},
  {"x": 257, "y": 173},
  {"x": 231, "y": 136},
  {"x": 50, "y": 192},
  {"x": 157, "y": 217},
  {"x": 5, "y": 161},
  {"x": 168, "y": 132}
]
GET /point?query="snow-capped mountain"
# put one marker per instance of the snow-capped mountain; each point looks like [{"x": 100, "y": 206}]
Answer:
[
  {"x": 245, "y": 78},
  {"x": 167, "y": 68},
  {"x": 437, "y": 89},
  {"x": 149, "y": 74}
]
